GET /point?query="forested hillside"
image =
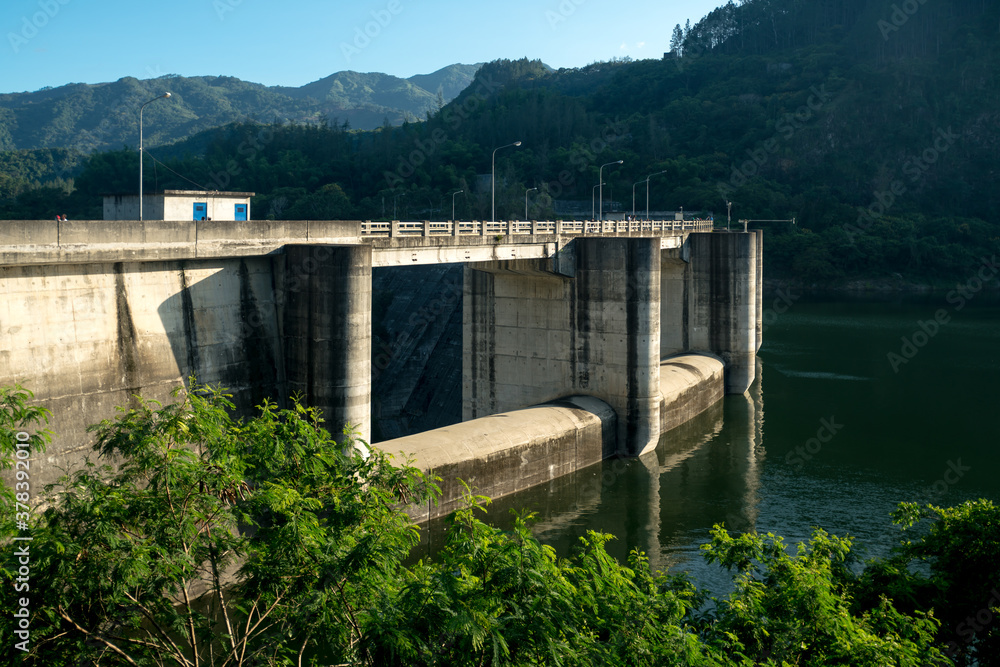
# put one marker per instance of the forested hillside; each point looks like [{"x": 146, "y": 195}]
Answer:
[
  {"x": 873, "y": 124},
  {"x": 104, "y": 116}
]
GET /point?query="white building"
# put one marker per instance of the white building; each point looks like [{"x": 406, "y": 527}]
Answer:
[{"x": 179, "y": 205}]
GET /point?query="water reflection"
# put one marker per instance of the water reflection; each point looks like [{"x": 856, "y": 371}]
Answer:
[
  {"x": 704, "y": 472},
  {"x": 825, "y": 360}
]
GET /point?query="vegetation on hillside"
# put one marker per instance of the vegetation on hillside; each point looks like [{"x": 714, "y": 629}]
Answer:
[
  {"x": 874, "y": 126},
  {"x": 212, "y": 541},
  {"x": 87, "y": 117}
]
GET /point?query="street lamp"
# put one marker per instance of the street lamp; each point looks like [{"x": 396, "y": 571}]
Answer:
[
  {"x": 493, "y": 178},
  {"x": 647, "y": 190},
  {"x": 593, "y": 203},
  {"x": 453, "y": 203},
  {"x": 526, "y": 201},
  {"x": 633, "y": 196},
  {"x": 600, "y": 178},
  {"x": 729, "y": 214},
  {"x": 163, "y": 96},
  {"x": 394, "y": 199}
]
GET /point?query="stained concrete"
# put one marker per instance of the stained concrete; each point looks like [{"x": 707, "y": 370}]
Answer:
[
  {"x": 722, "y": 294},
  {"x": 508, "y": 452},
  {"x": 689, "y": 385},
  {"x": 532, "y": 334},
  {"x": 327, "y": 330},
  {"x": 511, "y": 451},
  {"x": 94, "y": 312},
  {"x": 85, "y": 338}
]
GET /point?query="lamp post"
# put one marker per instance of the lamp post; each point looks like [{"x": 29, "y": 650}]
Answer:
[
  {"x": 633, "y": 195},
  {"x": 526, "y": 201},
  {"x": 600, "y": 178},
  {"x": 729, "y": 214},
  {"x": 453, "y": 203},
  {"x": 493, "y": 179},
  {"x": 163, "y": 96},
  {"x": 394, "y": 199},
  {"x": 647, "y": 190},
  {"x": 593, "y": 204}
]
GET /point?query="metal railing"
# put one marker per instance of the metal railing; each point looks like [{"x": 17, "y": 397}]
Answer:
[{"x": 527, "y": 228}]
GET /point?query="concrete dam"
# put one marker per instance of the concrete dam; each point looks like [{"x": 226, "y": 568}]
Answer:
[{"x": 580, "y": 340}]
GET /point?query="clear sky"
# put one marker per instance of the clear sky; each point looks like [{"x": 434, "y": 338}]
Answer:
[{"x": 294, "y": 42}]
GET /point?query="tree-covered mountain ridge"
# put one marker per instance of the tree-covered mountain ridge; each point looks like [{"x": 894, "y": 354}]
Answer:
[
  {"x": 87, "y": 117},
  {"x": 874, "y": 124}
]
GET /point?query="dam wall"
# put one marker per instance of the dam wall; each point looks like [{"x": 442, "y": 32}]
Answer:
[
  {"x": 504, "y": 453},
  {"x": 86, "y": 338}
]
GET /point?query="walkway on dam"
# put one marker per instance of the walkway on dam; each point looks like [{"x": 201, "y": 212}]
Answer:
[
  {"x": 41, "y": 242},
  {"x": 98, "y": 311}
]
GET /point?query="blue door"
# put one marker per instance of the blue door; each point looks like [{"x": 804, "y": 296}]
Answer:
[
  {"x": 200, "y": 210},
  {"x": 241, "y": 212}
]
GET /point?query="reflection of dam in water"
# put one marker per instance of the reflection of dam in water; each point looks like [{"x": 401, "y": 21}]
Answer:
[{"x": 703, "y": 472}]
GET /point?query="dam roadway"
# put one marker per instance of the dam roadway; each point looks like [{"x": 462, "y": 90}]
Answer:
[{"x": 583, "y": 318}]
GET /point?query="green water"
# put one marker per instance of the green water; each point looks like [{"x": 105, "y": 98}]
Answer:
[{"x": 925, "y": 431}]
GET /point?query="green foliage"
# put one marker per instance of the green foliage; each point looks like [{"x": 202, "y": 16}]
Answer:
[
  {"x": 19, "y": 431},
  {"x": 948, "y": 561},
  {"x": 216, "y": 542},
  {"x": 212, "y": 541},
  {"x": 797, "y": 609},
  {"x": 786, "y": 108},
  {"x": 495, "y": 598}
]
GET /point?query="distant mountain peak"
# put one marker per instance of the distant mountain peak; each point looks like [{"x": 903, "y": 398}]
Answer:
[{"x": 88, "y": 117}]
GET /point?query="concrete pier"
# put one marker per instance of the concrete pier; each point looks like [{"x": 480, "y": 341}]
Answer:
[
  {"x": 504, "y": 453},
  {"x": 94, "y": 312},
  {"x": 327, "y": 331}
]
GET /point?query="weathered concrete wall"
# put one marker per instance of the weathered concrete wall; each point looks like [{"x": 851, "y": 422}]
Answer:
[
  {"x": 416, "y": 349},
  {"x": 532, "y": 336},
  {"x": 722, "y": 294},
  {"x": 674, "y": 327},
  {"x": 43, "y": 242},
  {"x": 759, "y": 287},
  {"x": 327, "y": 331},
  {"x": 85, "y": 338},
  {"x": 511, "y": 451},
  {"x": 689, "y": 385}
]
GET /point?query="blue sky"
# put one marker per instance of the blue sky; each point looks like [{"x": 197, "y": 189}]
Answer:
[{"x": 291, "y": 43}]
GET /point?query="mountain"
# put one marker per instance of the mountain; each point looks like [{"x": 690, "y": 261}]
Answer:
[
  {"x": 86, "y": 117},
  {"x": 875, "y": 129}
]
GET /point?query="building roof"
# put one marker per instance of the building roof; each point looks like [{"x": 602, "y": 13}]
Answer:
[{"x": 182, "y": 193}]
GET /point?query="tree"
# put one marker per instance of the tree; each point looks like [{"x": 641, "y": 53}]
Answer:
[
  {"x": 796, "y": 610},
  {"x": 20, "y": 439},
  {"x": 952, "y": 565},
  {"x": 217, "y": 542},
  {"x": 677, "y": 41}
]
